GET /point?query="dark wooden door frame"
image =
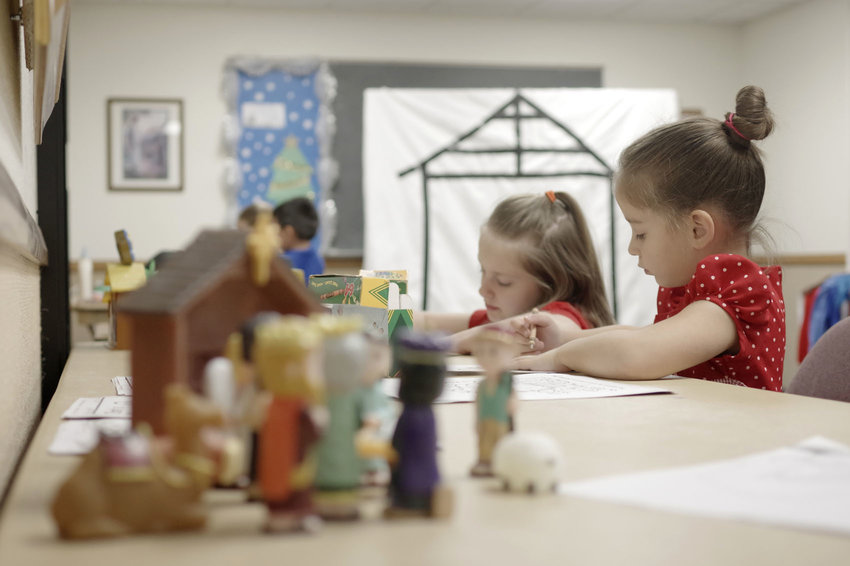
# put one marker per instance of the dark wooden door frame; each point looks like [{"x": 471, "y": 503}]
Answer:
[{"x": 53, "y": 221}]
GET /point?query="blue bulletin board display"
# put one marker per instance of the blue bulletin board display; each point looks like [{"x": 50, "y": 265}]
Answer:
[{"x": 279, "y": 133}]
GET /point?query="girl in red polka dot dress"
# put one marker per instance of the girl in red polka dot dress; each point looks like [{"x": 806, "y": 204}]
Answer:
[{"x": 691, "y": 192}]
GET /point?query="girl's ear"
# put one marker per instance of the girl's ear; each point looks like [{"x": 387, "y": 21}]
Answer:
[{"x": 702, "y": 228}]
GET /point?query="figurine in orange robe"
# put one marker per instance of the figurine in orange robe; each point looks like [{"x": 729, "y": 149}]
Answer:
[{"x": 287, "y": 357}]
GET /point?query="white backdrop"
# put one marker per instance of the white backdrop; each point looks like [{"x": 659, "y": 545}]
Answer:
[{"x": 404, "y": 127}]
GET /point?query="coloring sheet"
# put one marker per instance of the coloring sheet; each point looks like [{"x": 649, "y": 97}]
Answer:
[
  {"x": 536, "y": 386},
  {"x": 79, "y": 436},
  {"x": 123, "y": 384},
  {"x": 113, "y": 406}
]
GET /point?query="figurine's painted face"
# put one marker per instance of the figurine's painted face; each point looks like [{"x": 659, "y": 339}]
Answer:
[
  {"x": 345, "y": 358},
  {"x": 422, "y": 365},
  {"x": 506, "y": 287},
  {"x": 493, "y": 356}
]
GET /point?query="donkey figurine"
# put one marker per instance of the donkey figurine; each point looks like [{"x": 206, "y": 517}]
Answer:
[{"x": 138, "y": 483}]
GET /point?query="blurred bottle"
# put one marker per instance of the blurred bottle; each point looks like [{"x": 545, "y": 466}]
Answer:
[{"x": 85, "y": 271}]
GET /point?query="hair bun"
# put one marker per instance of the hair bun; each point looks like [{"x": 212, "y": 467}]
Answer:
[{"x": 753, "y": 119}]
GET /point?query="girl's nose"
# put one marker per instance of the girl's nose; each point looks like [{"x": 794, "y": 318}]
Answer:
[
  {"x": 632, "y": 247},
  {"x": 483, "y": 290}
]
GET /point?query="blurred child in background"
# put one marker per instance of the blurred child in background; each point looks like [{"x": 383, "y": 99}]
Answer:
[{"x": 299, "y": 223}]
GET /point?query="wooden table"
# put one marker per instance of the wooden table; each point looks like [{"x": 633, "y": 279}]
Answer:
[{"x": 701, "y": 421}]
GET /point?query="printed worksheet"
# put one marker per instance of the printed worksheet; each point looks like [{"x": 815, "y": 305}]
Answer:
[
  {"x": 123, "y": 384},
  {"x": 113, "y": 406},
  {"x": 463, "y": 367},
  {"x": 537, "y": 386},
  {"x": 803, "y": 486},
  {"x": 79, "y": 436}
]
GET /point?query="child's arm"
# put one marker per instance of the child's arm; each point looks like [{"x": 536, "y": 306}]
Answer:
[
  {"x": 700, "y": 332},
  {"x": 437, "y": 321},
  {"x": 551, "y": 330},
  {"x": 563, "y": 325}
]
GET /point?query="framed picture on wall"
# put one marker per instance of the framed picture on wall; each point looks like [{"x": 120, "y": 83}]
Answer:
[{"x": 145, "y": 144}]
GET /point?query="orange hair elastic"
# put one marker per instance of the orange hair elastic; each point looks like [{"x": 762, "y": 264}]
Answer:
[{"x": 551, "y": 195}]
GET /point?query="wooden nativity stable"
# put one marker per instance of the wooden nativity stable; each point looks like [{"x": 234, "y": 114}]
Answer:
[{"x": 183, "y": 316}]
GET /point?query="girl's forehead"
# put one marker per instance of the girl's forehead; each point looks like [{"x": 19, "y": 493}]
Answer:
[
  {"x": 625, "y": 189},
  {"x": 493, "y": 241},
  {"x": 496, "y": 250},
  {"x": 627, "y": 206},
  {"x": 638, "y": 188}
]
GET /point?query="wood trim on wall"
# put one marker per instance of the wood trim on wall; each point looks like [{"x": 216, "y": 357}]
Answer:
[{"x": 803, "y": 259}]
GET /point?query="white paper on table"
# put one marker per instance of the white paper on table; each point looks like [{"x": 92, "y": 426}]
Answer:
[
  {"x": 467, "y": 367},
  {"x": 535, "y": 387},
  {"x": 123, "y": 384},
  {"x": 114, "y": 406},
  {"x": 80, "y": 436},
  {"x": 474, "y": 368},
  {"x": 804, "y": 486}
]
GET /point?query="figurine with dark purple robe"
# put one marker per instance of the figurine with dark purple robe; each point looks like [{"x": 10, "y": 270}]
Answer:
[{"x": 415, "y": 479}]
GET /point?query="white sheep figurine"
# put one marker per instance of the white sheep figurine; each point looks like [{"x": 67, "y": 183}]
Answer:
[{"x": 528, "y": 461}]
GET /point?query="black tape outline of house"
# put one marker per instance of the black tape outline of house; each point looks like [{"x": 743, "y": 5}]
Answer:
[{"x": 517, "y": 117}]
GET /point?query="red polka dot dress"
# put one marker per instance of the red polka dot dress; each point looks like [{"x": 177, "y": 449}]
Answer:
[{"x": 752, "y": 295}]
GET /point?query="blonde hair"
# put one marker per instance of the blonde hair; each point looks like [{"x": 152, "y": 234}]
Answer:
[
  {"x": 682, "y": 166},
  {"x": 558, "y": 252},
  {"x": 280, "y": 351},
  {"x": 248, "y": 216}
]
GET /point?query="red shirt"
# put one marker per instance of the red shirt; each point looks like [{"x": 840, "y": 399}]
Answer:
[
  {"x": 555, "y": 307},
  {"x": 752, "y": 296}
]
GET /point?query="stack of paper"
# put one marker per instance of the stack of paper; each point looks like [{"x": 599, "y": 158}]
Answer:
[
  {"x": 804, "y": 486},
  {"x": 89, "y": 417}
]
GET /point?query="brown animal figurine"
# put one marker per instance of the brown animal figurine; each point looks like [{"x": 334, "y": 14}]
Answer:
[{"x": 138, "y": 483}]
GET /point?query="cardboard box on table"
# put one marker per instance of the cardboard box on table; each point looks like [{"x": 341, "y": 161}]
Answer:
[
  {"x": 121, "y": 279},
  {"x": 379, "y": 297}
]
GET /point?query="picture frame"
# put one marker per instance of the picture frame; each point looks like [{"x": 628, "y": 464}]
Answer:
[{"x": 145, "y": 144}]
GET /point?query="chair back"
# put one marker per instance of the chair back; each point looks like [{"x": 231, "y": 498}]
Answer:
[{"x": 825, "y": 371}]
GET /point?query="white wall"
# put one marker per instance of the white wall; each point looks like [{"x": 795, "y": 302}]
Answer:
[
  {"x": 20, "y": 345},
  {"x": 800, "y": 57},
  {"x": 17, "y": 150},
  {"x": 156, "y": 51}
]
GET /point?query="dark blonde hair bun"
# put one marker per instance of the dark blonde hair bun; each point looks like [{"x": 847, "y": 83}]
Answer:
[{"x": 752, "y": 119}]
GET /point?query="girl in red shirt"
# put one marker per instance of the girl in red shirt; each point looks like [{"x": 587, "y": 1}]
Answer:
[
  {"x": 691, "y": 192},
  {"x": 535, "y": 252}
]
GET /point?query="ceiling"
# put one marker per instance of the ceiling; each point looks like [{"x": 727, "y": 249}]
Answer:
[{"x": 659, "y": 11}]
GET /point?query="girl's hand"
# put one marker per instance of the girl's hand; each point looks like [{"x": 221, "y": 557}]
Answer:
[
  {"x": 544, "y": 331},
  {"x": 462, "y": 342},
  {"x": 547, "y": 361}
]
